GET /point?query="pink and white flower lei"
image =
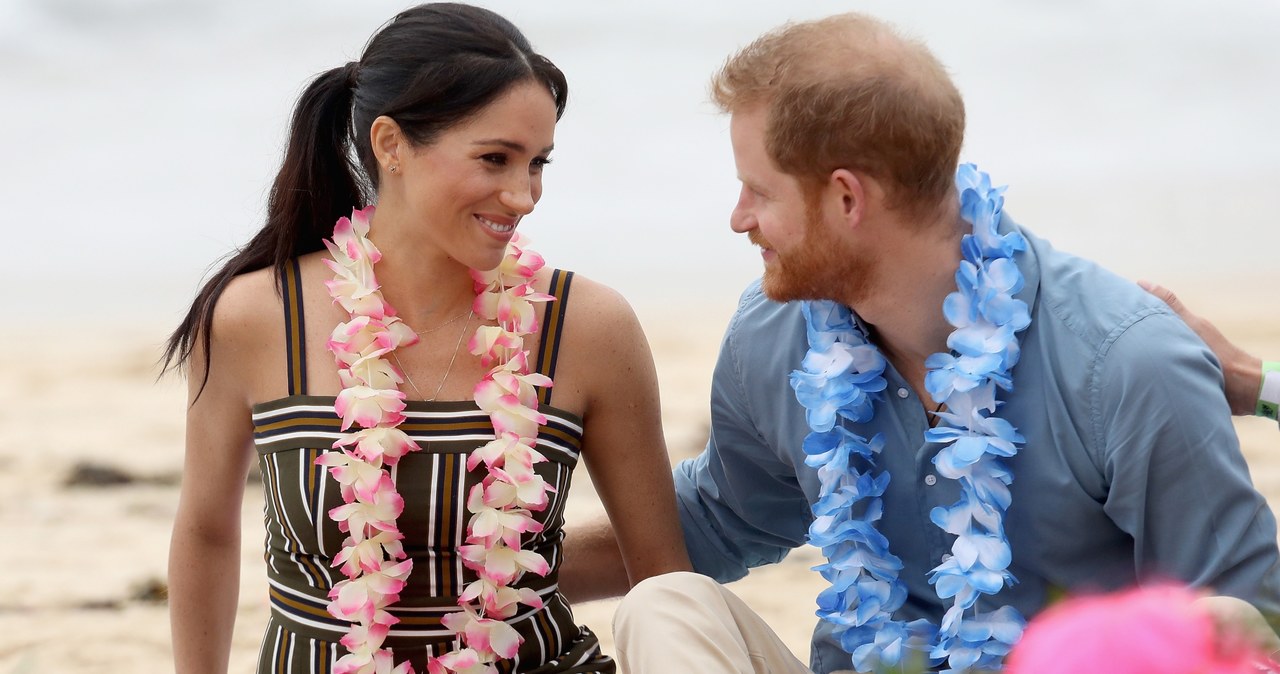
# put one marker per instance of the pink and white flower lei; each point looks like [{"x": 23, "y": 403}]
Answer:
[{"x": 372, "y": 557}]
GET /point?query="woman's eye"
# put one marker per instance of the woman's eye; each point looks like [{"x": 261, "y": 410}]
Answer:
[
  {"x": 539, "y": 163},
  {"x": 495, "y": 159}
]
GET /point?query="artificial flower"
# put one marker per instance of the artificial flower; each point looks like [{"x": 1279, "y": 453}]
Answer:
[
  {"x": 841, "y": 378},
  {"x": 368, "y": 407},
  {"x": 1150, "y": 630}
]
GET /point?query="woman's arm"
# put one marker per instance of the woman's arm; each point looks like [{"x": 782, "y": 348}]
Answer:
[
  {"x": 623, "y": 444},
  {"x": 204, "y": 552}
]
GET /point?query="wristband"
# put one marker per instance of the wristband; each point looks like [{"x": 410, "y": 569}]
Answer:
[{"x": 1269, "y": 394}]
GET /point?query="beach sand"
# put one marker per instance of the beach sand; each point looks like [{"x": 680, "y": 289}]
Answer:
[{"x": 87, "y": 561}]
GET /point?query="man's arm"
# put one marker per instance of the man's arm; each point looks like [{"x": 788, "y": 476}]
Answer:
[{"x": 1178, "y": 483}]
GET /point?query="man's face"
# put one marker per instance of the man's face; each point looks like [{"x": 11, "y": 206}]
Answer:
[{"x": 804, "y": 258}]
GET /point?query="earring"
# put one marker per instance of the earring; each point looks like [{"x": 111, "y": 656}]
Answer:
[{"x": 393, "y": 168}]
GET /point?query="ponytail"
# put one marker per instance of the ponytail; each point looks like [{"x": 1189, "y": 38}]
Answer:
[{"x": 316, "y": 185}]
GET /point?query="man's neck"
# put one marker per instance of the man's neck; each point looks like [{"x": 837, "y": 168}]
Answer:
[{"x": 905, "y": 308}]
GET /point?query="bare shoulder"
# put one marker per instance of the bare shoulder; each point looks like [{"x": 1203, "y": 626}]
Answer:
[
  {"x": 598, "y": 313},
  {"x": 248, "y": 305},
  {"x": 247, "y": 333},
  {"x": 602, "y": 344}
]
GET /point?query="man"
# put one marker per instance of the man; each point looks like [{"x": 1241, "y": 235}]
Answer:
[{"x": 1123, "y": 463}]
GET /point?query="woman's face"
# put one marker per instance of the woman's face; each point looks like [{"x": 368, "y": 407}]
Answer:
[{"x": 474, "y": 183}]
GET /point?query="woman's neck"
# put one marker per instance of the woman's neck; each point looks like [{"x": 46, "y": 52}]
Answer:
[{"x": 425, "y": 285}]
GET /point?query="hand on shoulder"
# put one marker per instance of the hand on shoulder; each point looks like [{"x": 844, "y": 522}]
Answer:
[{"x": 1242, "y": 371}]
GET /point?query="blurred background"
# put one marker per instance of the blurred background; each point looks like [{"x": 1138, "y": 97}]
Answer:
[{"x": 140, "y": 136}]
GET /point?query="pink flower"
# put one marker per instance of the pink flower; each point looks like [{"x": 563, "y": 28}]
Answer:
[
  {"x": 502, "y": 565},
  {"x": 464, "y": 661},
  {"x": 500, "y": 601},
  {"x": 378, "y": 513},
  {"x": 359, "y": 479},
  {"x": 524, "y": 264},
  {"x": 507, "y": 451},
  {"x": 493, "y": 521},
  {"x": 521, "y": 487},
  {"x": 508, "y": 413},
  {"x": 1152, "y": 630},
  {"x": 381, "y": 444},
  {"x": 355, "y": 288},
  {"x": 484, "y": 634},
  {"x": 511, "y": 307},
  {"x": 366, "y": 556},
  {"x": 493, "y": 343},
  {"x": 369, "y": 407},
  {"x": 363, "y": 599},
  {"x": 367, "y": 655}
]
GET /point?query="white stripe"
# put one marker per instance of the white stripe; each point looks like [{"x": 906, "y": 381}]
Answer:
[
  {"x": 289, "y": 656},
  {"x": 318, "y": 519},
  {"x": 478, "y": 438},
  {"x": 555, "y": 626},
  {"x": 266, "y": 523},
  {"x": 397, "y": 632},
  {"x": 295, "y": 593},
  {"x": 328, "y": 409},
  {"x": 264, "y": 418},
  {"x": 292, "y": 535},
  {"x": 275, "y": 650},
  {"x": 304, "y": 472},
  {"x": 262, "y": 647},
  {"x": 544, "y": 648},
  {"x": 321, "y": 521},
  {"x": 460, "y": 526},
  {"x": 432, "y": 533},
  {"x": 297, "y": 434}
]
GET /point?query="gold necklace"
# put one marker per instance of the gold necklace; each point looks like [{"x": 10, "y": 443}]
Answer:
[
  {"x": 451, "y": 320},
  {"x": 452, "y": 359}
]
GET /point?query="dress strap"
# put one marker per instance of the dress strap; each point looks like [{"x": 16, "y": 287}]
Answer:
[
  {"x": 294, "y": 327},
  {"x": 552, "y": 326}
]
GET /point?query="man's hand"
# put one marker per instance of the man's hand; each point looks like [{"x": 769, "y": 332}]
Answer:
[{"x": 1243, "y": 372}]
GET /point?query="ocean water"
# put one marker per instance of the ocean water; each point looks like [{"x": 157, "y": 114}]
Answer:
[{"x": 139, "y": 136}]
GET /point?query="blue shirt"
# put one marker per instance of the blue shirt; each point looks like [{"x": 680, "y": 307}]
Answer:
[{"x": 1131, "y": 470}]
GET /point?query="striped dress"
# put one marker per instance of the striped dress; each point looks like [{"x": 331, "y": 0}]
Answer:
[{"x": 301, "y": 540}]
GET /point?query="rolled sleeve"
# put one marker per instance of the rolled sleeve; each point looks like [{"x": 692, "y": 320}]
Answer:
[{"x": 740, "y": 503}]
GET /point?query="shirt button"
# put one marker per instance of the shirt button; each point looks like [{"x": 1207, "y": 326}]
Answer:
[
  {"x": 931, "y": 480},
  {"x": 903, "y": 393}
]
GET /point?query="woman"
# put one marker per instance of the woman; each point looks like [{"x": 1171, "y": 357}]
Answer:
[{"x": 427, "y": 531}]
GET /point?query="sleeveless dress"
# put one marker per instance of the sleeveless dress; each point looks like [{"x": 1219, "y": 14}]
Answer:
[{"x": 301, "y": 540}]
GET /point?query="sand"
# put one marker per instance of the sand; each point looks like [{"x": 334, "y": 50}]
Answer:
[{"x": 81, "y": 596}]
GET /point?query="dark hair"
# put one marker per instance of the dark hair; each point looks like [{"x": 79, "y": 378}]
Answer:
[{"x": 428, "y": 69}]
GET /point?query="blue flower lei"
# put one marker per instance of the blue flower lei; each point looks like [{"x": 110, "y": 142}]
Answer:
[{"x": 841, "y": 377}]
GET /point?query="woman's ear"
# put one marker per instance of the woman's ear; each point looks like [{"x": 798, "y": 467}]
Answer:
[{"x": 387, "y": 142}]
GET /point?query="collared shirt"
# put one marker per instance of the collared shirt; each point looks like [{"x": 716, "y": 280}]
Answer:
[{"x": 1131, "y": 470}]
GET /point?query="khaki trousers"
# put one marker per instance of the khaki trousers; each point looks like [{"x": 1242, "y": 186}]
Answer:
[{"x": 685, "y": 622}]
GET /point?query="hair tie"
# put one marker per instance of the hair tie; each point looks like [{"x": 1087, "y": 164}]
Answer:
[{"x": 352, "y": 71}]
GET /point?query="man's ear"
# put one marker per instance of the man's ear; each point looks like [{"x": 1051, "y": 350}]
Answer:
[{"x": 846, "y": 197}]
